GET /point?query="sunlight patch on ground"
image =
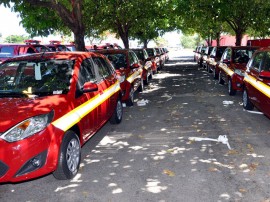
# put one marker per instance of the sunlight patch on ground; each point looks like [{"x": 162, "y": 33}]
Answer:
[
  {"x": 166, "y": 75},
  {"x": 66, "y": 187},
  {"x": 153, "y": 186}
]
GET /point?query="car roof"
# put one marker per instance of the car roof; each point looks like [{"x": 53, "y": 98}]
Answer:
[{"x": 55, "y": 55}]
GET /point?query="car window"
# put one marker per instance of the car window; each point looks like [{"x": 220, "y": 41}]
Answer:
[
  {"x": 242, "y": 56},
  {"x": 118, "y": 60},
  {"x": 103, "y": 68},
  {"x": 87, "y": 73},
  {"x": 145, "y": 54},
  {"x": 266, "y": 64},
  {"x": 139, "y": 54},
  {"x": 135, "y": 58},
  {"x": 131, "y": 59},
  {"x": 213, "y": 52},
  {"x": 256, "y": 61},
  {"x": 229, "y": 54}
]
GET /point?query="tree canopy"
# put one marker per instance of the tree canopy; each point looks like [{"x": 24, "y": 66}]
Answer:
[{"x": 143, "y": 19}]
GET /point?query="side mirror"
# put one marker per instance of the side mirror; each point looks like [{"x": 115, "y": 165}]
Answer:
[
  {"x": 89, "y": 87},
  {"x": 264, "y": 75}
]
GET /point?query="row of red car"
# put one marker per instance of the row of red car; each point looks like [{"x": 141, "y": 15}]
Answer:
[
  {"x": 52, "y": 102},
  {"x": 243, "y": 68}
]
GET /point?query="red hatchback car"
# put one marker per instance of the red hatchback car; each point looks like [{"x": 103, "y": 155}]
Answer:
[
  {"x": 51, "y": 104},
  {"x": 232, "y": 66},
  {"x": 146, "y": 62},
  {"x": 129, "y": 69},
  {"x": 257, "y": 82}
]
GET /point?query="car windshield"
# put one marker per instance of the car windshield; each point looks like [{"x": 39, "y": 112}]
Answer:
[
  {"x": 118, "y": 60},
  {"x": 35, "y": 78}
]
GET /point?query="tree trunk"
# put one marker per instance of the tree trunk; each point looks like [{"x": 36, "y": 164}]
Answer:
[
  {"x": 79, "y": 40},
  {"x": 145, "y": 43},
  {"x": 123, "y": 33},
  {"x": 218, "y": 38},
  {"x": 239, "y": 36}
]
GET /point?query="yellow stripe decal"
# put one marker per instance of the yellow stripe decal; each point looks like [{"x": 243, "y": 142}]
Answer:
[
  {"x": 70, "y": 119},
  {"x": 227, "y": 70},
  {"x": 133, "y": 76},
  {"x": 260, "y": 86}
]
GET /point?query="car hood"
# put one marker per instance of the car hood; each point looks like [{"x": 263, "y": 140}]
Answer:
[{"x": 15, "y": 110}]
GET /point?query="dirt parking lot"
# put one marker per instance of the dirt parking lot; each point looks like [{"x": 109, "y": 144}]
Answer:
[{"x": 153, "y": 156}]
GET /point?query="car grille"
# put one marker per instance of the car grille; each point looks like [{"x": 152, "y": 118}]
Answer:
[{"x": 3, "y": 168}]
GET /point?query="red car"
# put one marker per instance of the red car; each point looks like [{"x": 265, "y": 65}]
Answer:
[
  {"x": 57, "y": 46},
  {"x": 129, "y": 69},
  {"x": 10, "y": 50},
  {"x": 146, "y": 62},
  {"x": 154, "y": 58},
  {"x": 257, "y": 82},
  {"x": 51, "y": 104},
  {"x": 36, "y": 44},
  {"x": 214, "y": 60},
  {"x": 161, "y": 56},
  {"x": 233, "y": 65},
  {"x": 206, "y": 57}
]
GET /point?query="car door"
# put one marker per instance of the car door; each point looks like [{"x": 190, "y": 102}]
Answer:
[
  {"x": 252, "y": 78},
  {"x": 90, "y": 123},
  {"x": 225, "y": 63},
  {"x": 109, "y": 85}
]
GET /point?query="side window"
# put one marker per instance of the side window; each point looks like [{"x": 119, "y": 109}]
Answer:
[
  {"x": 266, "y": 64},
  {"x": 229, "y": 54},
  {"x": 86, "y": 74},
  {"x": 131, "y": 59},
  {"x": 213, "y": 52},
  {"x": 256, "y": 61},
  {"x": 224, "y": 56},
  {"x": 103, "y": 68},
  {"x": 135, "y": 58}
]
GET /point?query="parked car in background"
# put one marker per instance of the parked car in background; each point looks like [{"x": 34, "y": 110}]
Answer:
[
  {"x": 60, "y": 100},
  {"x": 206, "y": 57},
  {"x": 154, "y": 58},
  {"x": 56, "y": 46},
  {"x": 165, "y": 50},
  {"x": 146, "y": 62},
  {"x": 36, "y": 44},
  {"x": 10, "y": 50},
  {"x": 195, "y": 57},
  {"x": 161, "y": 58},
  {"x": 232, "y": 66},
  {"x": 129, "y": 69},
  {"x": 257, "y": 82},
  {"x": 214, "y": 60},
  {"x": 200, "y": 55}
]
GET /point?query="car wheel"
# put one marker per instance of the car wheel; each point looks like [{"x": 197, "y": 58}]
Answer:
[
  {"x": 130, "y": 100},
  {"x": 146, "y": 81},
  {"x": 220, "y": 80},
  {"x": 69, "y": 157},
  {"x": 151, "y": 74},
  {"x": 140, "y": 89},
  {"x": 117, "y": 114},
  {"x": 230, "y": 88},
  {"x": 215, "y": 74},
  {"x": 246, "y": 101}
]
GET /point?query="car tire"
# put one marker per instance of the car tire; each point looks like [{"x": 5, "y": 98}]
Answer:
[
  {"x": 231, "y": 91},
  {"x": 220, "y": 80},
  {"x": 69, "y": 157},
  {"x": 146, "y": 81},
  {"x": 117, "y": 114},
  {"x": 151, "y": 74},
  {"x": 140, "y": 88},
  {"x": 130, "y": 100},
  {"x": 246, "y": 101}
]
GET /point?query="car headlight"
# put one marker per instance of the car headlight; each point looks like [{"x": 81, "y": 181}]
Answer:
[
  {"x": 27, "y": 127},
  {"x": 239, "y": 72}
]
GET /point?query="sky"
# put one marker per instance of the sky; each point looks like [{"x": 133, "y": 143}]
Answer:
[{"x": 10, "y": 25}]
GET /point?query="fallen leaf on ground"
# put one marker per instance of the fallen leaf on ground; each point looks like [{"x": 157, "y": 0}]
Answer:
[
  {"x": 169, "y": 172},
  {"x": 250, "y": 148},
  {"x": 242, "y": 190},
  {"x": 232, "y": 152},
  {"x": 253, "y": 166},
  {"x": 212, "y": 169}
]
